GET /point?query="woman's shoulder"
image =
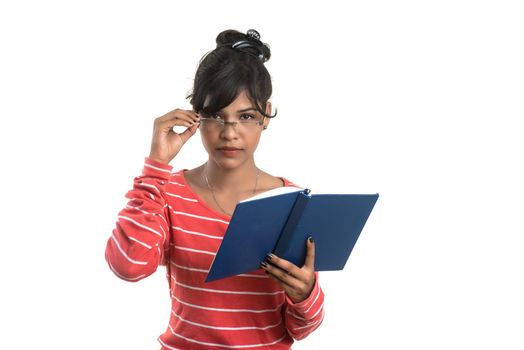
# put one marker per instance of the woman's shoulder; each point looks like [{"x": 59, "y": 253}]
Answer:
[
  {"x": 193, "y": 177},
  {"x": 289, "y": 183},
  {"x": 273, "y": 182}
]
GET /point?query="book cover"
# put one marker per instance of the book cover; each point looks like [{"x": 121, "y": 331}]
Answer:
[{"x": 280, "y": 221}]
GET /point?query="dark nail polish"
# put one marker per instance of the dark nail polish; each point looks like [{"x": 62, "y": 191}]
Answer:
[
  {"x": 311, "y": 239},
  {"x": 263, "y": 264},
  {"x": 269, "y": 256}
]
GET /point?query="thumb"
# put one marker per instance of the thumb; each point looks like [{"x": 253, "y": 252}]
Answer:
[
  {"x": 186, "y": 135},
  {"x": 310, "y": 255}
]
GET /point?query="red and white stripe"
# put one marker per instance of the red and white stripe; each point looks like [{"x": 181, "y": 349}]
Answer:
[{"x": 165, "y": 222}]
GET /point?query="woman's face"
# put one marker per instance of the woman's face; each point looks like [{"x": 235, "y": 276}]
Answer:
[{"x": 233, "y": 145}]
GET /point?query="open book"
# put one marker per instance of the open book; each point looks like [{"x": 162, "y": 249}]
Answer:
[{"x": 279, "y": 221}]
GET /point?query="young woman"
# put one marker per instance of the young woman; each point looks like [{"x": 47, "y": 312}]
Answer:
[{"x": 177, "y": 219}]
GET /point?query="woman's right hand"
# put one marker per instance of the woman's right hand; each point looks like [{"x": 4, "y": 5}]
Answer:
[{"x": 166, "y": 142}]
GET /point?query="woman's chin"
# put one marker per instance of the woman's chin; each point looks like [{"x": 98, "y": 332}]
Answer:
[{"x": 229, "y": 163}]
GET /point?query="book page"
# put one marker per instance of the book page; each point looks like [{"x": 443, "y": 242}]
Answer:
[{"x": 274, "y": 192}]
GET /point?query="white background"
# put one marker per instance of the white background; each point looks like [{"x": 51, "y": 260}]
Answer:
[{"x": 419, "y": 101}]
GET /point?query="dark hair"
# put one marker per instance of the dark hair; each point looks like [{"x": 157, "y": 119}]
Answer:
[{"x": 235, "y": 65}]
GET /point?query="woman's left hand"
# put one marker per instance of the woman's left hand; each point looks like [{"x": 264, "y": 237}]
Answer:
[{"x": 297, "y": 282}]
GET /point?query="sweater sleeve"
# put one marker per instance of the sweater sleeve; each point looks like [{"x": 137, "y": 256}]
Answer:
[
  {"x": 304, "y": 317},
  {"x": 140, "y": 240}
]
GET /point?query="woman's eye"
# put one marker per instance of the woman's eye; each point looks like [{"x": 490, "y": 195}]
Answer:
[
  {"x": 210, "y": 115},
  {"x": 247, "y": 117}
]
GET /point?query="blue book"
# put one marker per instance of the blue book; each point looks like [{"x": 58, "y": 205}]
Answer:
[{"x": 281, "y": 223}]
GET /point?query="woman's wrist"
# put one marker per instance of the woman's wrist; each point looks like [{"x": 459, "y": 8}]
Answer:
[{"x": 159, "y": 160}]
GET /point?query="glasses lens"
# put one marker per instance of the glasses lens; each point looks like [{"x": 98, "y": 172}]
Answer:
[
  {"x": 212, "y": 124},
  {"x": 250, "y": 125}
]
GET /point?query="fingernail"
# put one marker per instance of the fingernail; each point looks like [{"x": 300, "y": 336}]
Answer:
[
  {"x": 269, "y": 256},
  {"x": 263, "y": 264},
  {"x": 311, "y": 239}
]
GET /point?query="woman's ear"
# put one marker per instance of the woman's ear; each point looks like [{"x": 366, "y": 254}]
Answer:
[{"x": 268, "y": 112}]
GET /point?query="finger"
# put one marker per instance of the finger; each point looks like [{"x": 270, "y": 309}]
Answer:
[
  {"x": 189, "y": 115},
  {"x": 287, "y": 271},
  {"x": 280, "y": 275},
  {"x": 181, "y": 118},
  {"x": 287, "y": 288},
  {"x": 171, "y": 118},
  {"x": 186, "y": 135},
  {"x": 178, "y": 111},
  {"x": 168, "y": 116},
  {"x": 180, "y": 122},
  {"x": 169, "y": 125},
  {"x": 310, "y": 255},
  {"x": 283, "y": 264}
]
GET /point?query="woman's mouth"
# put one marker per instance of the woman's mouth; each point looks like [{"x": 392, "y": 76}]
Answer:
[{"x": 229, "y": 151}]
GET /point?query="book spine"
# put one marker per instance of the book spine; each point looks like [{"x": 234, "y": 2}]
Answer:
[{"x": 286, "y": 235}]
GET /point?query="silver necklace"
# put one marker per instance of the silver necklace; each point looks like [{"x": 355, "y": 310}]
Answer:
[{"x": 213, "y": 192}]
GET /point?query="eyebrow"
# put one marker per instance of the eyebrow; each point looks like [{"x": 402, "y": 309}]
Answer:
[
  {"x": 246, "y": 109},
  {"x": 243, "y": 110}
]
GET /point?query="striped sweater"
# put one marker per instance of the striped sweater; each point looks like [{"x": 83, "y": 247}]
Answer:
[{"x": 166, "y": 223}]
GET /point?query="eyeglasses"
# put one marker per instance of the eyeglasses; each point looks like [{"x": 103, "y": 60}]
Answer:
[{"x": 247, "y": 123}]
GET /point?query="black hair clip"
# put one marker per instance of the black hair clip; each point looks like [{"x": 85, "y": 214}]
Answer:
[
  {"x": 253, "y": 34},
  {"x": 253, "y": 41}
]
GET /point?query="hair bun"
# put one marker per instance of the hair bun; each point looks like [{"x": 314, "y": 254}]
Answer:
[{"x": 248, "y": 43}]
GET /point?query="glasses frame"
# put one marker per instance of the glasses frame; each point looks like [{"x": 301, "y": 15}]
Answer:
[{"x": 222, "y": 123}]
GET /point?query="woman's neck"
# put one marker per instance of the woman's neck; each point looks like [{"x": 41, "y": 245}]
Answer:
[{"x": 240, "y": 179}]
